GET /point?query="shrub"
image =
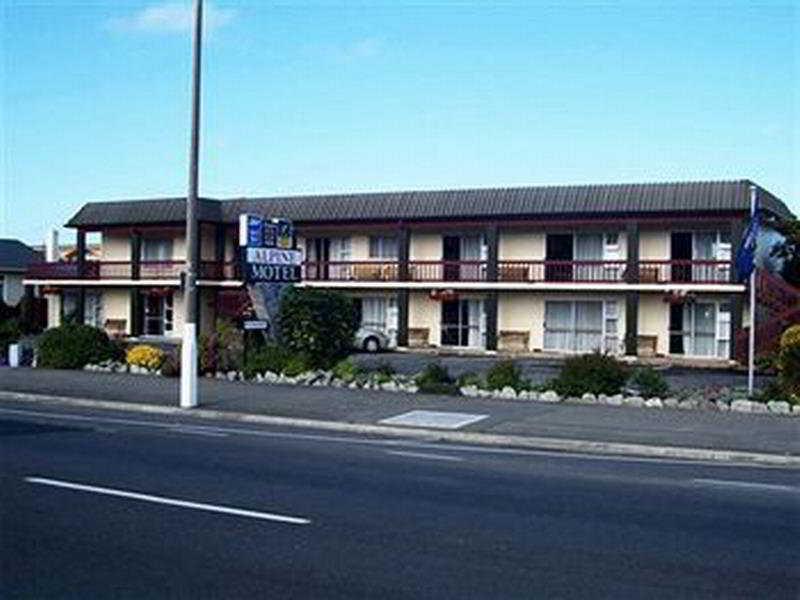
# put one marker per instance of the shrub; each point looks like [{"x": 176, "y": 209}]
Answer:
[
  {"x": 72, "y": 346},
  {"x": 436, "y": 379},
  {"x": 789, "y": 363},
  {"x": 594, "y": 373},
  {"x": 171, "y": 367},
  {"x": 505, "y": 373},
  {"x": 222, "y": 350},
  {"x": 296, "y": 365},
  {"x": 145, "y": 356},
  {"x": 470, "y": 379},
  {"x": 270, "y": 357},
  {"x": 317, "y": 324},
  {"x": 9, "y": 333},
  {"x": 649, "y": 382},
  {"x": 347, "y": 370}
]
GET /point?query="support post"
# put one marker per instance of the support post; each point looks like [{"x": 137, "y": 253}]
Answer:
[
  {"x": 188, "y": 392},
  {"x": 80, "y": 259},
  {"x": 402, "y": 317},
  {"x": 136, "y": 254},
  {"x": 631, "y": 323},
  {"x": 632, "y": 261},
  {"x": 490, "y": 308}
]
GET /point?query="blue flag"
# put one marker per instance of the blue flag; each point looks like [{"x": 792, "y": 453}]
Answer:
[{"x": 746, "y": 255}]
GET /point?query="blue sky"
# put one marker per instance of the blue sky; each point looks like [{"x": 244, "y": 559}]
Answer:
[{"x": 324, "y": 97}]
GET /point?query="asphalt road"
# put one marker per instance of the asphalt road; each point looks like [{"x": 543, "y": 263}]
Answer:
[{"x": 96, "y": 505}]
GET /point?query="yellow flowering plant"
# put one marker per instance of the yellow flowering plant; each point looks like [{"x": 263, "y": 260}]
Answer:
[{"x": 149, "y": 357}]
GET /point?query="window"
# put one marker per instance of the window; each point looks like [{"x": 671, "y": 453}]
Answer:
[
  {"x": 156, "y": 249},
  {"x": 380, "y": 313},
  {"x": 581, "y": 326},
  {"x": 158, "y": 314},
  {"x": 701, "y": 329},
  {"x": 383, "y": 247}
]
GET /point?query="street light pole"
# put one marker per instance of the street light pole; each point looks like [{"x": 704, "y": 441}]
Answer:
[{"x": 188, "y": 394}]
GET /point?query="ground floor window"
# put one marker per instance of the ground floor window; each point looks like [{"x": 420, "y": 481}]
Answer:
[
  {"x": 158, "y": 314},
  {"x": 701, "y": 328},
  {"x": 379, "y": 313},
  {"x": 463, "y": 323},
  {"x": 581, "y": 326},
  {"x": 92, "y": 308}
]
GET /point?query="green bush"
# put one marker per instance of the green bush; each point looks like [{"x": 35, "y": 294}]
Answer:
[
  {"x": 270, "y": 357},
  {"x": 436, "y": 379},
  {"x": 222, "y": 350},
  {"x": 470, "y": 379},
  {"x": 505, "y": 373},
  {"x": 649, "y": 382},
  {"x": 296, "y": 365},
  {"x": 74, "y": 346},
  {"x": 789, "y": 364},
  {"x": 10, "y": 333},
  {"x": 594, "y": 373},
  {"x": 318, "y": 325},
  {"x": 171, "y": 367},
  {"x": 346, "y": 370}
]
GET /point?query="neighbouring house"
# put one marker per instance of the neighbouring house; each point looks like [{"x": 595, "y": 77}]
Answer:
[
  {"x": 634, "y": 269},
  {"x": 15, "y": 258}
]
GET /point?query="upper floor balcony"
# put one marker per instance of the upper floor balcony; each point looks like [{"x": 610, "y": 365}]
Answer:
[
  {"x": 421, "y": 271},
  {"x": 523, "y": 271}
]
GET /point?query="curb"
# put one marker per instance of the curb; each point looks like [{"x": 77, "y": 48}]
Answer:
[{"x": 430, "y": 435}]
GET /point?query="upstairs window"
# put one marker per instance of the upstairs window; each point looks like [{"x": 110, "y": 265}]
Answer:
[
  {"x": 156, "y": 249},
  {"x": 383, "y": 247}
]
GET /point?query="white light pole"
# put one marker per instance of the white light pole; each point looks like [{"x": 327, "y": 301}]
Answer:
[
  {"x": 751, "y": 341},
  {"x": 188, "y": 398}
]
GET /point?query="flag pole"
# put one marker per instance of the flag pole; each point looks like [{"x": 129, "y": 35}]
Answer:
[{"x": 751, "y": 342}]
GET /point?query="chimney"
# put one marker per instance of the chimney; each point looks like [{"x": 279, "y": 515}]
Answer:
[{"x": 51, "y": 246}]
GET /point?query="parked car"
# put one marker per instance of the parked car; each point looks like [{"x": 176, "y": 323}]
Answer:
[{"x": 371, "y": 340}]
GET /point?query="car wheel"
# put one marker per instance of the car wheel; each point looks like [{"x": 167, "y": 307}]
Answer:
[{"x": 371, "y": 344}]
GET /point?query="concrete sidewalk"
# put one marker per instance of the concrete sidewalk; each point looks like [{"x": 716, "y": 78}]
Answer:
[{"x": 665, "y": 427}]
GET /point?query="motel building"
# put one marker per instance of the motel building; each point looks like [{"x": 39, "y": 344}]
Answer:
[{"x": 639, "y": 270}]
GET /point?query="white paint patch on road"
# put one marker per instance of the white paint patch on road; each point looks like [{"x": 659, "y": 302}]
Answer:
[
  {"x": 239, "y": 512},
  {"x": 748, "y": 485},
  {"x": 424, "y": 455},
  {"x": 198, "y": 431},
  {"x": 434, "y": 419}
]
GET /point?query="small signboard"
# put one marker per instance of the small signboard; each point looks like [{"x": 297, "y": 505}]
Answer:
[{"x": 255, "y": 325}]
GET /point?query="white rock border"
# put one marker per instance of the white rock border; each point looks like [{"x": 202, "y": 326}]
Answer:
[{"x": 405, "y": 384}]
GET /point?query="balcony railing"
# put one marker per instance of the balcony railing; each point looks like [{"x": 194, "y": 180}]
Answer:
[
  {"x": 429, "y": 271},
  {"x": 116, "y": 270}
]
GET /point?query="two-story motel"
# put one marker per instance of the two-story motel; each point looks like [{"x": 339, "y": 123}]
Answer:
[{"x": 630, "y": 269}]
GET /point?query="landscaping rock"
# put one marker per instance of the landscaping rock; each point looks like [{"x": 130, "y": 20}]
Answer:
[
  {"x": 508, "y": 393},
  {"x": 671, "y": 403},
  {"x": 759, "y": 408},
  {"x": 615, "y": 400},
  {"x": 549, "y": 396},
  {"x": 722, "y": 406},
  {"x": 589, "y": 398},
  {"x": 796, "y": 410},
  {"x": 689, "y": 404},
  {"x": 635, "y": 401},
  {"x": 779, "y": 407},
  {"x": 470, "y": 391},
  {"x": 741, "y": 405},
  {"x": 654, "y": 403}
]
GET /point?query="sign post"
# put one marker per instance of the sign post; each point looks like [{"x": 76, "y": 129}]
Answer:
[{"x": 270, "y": 263}]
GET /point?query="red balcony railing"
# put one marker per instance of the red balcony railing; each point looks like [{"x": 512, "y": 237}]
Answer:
[
  {"x": 352, "y": 270},
  {"x": 115, "y": 270},
  {"x": 447, "y": 270},
  {"x": 581, "y": 271},
  {"x": 684, "y": 271}
]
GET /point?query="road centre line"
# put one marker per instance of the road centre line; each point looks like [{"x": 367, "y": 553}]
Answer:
[
  {"x": 239, "y": 512},
  {"x": 386, "y": 442},
  {"x": 753, "y": 485},
  {"x": 424, "y": 455}
]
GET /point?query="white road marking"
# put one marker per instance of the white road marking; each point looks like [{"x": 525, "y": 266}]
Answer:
[
  {"x": 239, "y": 512},
  {"x": 198, "y": 431},
  {"x": 753, "y": 485},
  {"x": 434, "y": 418},
  {"x": 392, "y": 442},
  {"x": 424, "y": 455}
]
